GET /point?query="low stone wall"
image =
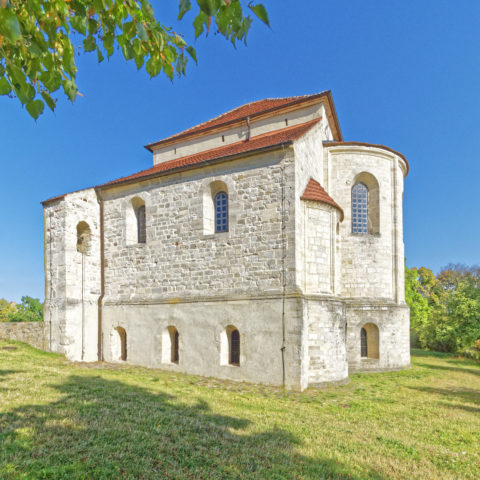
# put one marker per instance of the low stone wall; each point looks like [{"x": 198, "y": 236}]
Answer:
[{"x": 33, "y": 333}]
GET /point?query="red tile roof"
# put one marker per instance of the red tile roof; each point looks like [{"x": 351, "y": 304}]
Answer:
[
  {"x": 248, "y": 110},
  {"x": 266, "y": 140},
  {"x": 315, "y": 192}
]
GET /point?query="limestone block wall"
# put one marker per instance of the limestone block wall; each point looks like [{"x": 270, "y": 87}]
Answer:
[
  {"x": 73, "y": 277},
  {"x": 309, "y": 164},
  {"x": 201, "y": 326},
  {"x": 178, "y": 259},
  {"x": 55, "y": 274},
  {"x": 393, "y": 323},
  {"x": 372, "y": 265},
  {"x": 33, "y": 333},
  {"x": 321, "y": 248},
  {"x": 326, "y": 359}
]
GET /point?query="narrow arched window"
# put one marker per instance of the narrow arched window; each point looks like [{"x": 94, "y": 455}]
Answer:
[
  {"x": 363, "y": 343},
  {"x": 119, "y": 344},
  {"x": 221, "y": 212},
  {"x": 141, "y": 225},
  {"x": 83, "y": 237},
  {"x": 234, "y": 344},
  {"x": 360, "y": 208},
  {"x": 370, "y": 341},
  {"x": 174, "y": 352}
]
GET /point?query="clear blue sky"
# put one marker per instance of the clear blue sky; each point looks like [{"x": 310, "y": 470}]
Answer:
[{"x": 403, "y": 74}]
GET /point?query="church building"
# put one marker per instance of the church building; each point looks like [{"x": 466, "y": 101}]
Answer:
[{"x": 260, "y": 247}]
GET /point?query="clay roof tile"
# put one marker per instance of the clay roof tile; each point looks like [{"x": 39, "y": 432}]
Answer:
[{"x": 315, "y": 192}]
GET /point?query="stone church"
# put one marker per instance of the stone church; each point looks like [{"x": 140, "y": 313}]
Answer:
[{"x": 260, "y": 247}]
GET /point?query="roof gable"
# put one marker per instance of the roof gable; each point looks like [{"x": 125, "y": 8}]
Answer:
[{"x": 249, "y": 110}]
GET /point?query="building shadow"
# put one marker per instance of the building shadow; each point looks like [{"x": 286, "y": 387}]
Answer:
[
  {"x": 107, "y": 429},
  {"x": 447, "y": 368},
  {"x": 465, "y": 395}
]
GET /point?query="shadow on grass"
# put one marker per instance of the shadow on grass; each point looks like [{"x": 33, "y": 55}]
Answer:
[
  {"x": 457, "y": 369},
  {"x": 459, "y": 406},
  {"x": 465, "y": 395},
  {"x": 108, "y": 429}
]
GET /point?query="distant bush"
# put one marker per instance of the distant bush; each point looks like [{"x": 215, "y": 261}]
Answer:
[{"x": 29, "y": 310}]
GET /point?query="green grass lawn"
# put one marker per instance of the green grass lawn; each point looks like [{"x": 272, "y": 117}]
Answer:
[{"x": 60, "y": 420}]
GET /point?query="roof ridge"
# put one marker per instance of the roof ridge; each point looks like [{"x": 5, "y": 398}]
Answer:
[{"x": 200, "y": 126}]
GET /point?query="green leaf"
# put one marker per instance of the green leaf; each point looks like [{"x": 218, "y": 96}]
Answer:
[
  {"x": 89, "y": 44},
  {"x": 139, "y": 61},
  {"x": 181, "y": 64},
  {"x": 147, "y": 9},
  {"x": 35, "y": 108},
  {"x": 51, "y": 80},
  {"x": 198, "y": 23},
  {"x": 79, "y": 24},
  {"x": 208, "y": 7},
  {"x": 192, "y": 53},
  {"x": 49, "y": 101},
  {"x": 93, "y": 26},
  {"x": 9, "y": 25},
  {"x": 153, "y": 67},
  {"x": 260, "y": 11},
  {"x": 183, "y": 7},
  {"x": 141, "y": 32},
  {"x": 25, "y": 92},
  {"x": 70, "y": 89},
  {"x": 5, "y": 87},
  {"x": 99, "y": 56},
  {"x": 68, "y": 58},
  {"x": 108, "y": 40}
]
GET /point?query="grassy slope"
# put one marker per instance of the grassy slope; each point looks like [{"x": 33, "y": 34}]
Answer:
[{"x": 62, "y": 420}]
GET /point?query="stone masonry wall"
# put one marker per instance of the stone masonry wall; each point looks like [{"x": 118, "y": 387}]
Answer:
[
  {"x": 178, "y": 259},
  {"x": 371, "y": 266},
  {"x": 33, "y": 333},
  {"x": 72, "y": 279}
]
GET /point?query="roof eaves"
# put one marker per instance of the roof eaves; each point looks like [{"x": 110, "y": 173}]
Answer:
[{"x": 182, "y": 168}]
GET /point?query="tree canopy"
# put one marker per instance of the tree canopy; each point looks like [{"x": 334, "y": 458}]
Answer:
[
  {"x": 445, "y": 309},
  {"x": 39, "y": 40},
  {"x": 29, "y": 310}
]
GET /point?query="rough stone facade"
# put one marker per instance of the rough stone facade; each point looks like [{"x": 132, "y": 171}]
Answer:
[
  {"x": 289, "y": 275},
  {"x": 33, "y": 333}
]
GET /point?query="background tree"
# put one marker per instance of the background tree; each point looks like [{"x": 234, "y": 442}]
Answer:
[
  {"x": 419, "y": 307},
  {"x": 37, "y": 48},
  {"x": 5, "y": 309},
  {"x": 449, "y": 321},
  {"x": 30, "y": 310}
]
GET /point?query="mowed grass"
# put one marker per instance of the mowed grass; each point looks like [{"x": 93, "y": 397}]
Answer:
[{"x": 60, "y": 420}]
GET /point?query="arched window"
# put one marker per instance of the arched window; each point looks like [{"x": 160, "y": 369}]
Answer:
[
  {"x": 360, "y": 208},
  {"x": 174, "y": 351},
  {"x": 119, "y": 344},
  {"x": 136, "y": 222},
  {"x": 141, "y": 225},
  {"x": 365, "y": 205},
  {"x": 363, "y": 343},
  {"x": 83, "y": 237},
  {"x": 369, "y": 341},
  {"x": 170, "y": 345},
  {"x": 234, "y": 347},
  {"x": 221, "y": 212}
]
